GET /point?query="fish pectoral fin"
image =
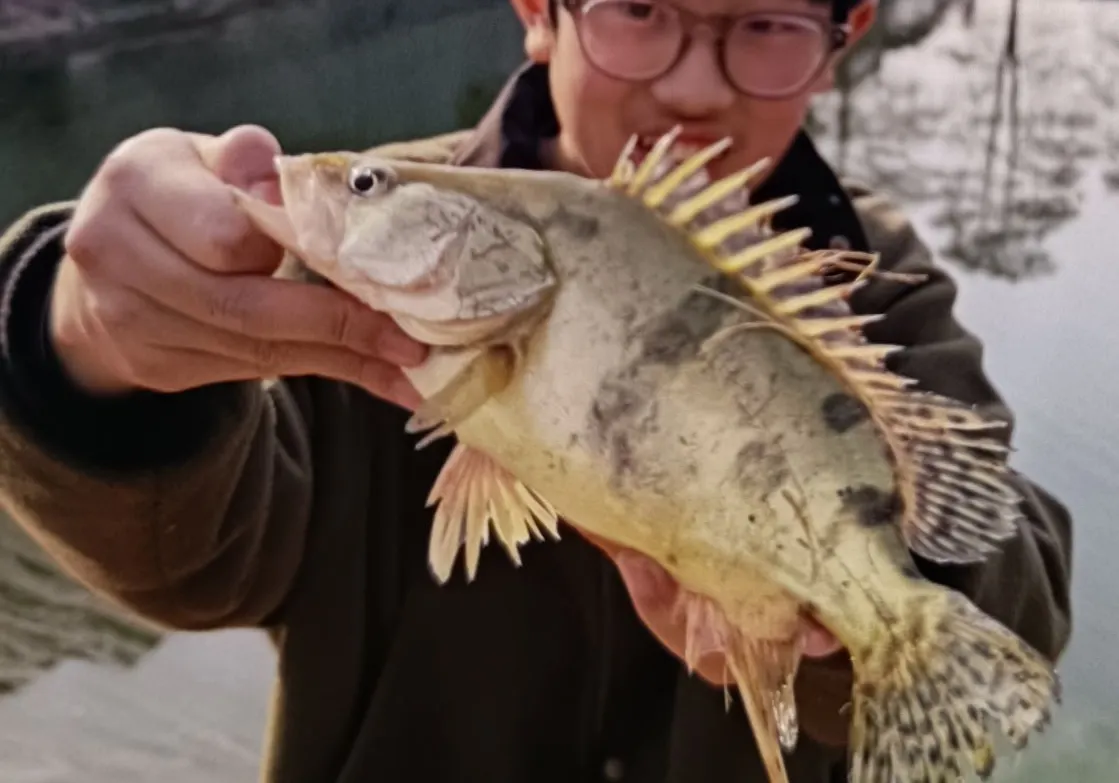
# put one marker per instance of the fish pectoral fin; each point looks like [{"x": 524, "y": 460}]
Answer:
[
  {"x": 467, "y": 391},
  {"x": 763, "y": 670},
  {"x": 473, "y": 493},
  {"x": 932, "y": 692}
]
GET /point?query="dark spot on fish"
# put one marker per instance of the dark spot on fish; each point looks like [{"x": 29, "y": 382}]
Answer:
[
  {"x": 762, "y": 464},
  {"x": 752, "y": 518},
  {"x": 842, "y": 412},
  {"x": 872, "y": 506},
  {"x": 579, "y": 225},
  {"x": 629, "y": 313},
  {"x": 910, "y": 570},
  {"x": 621, "y": 452},
  {"x": 750, "y": 455},
  {"x": 678, "y": 334},
  {"x": 613, "y": 402}
]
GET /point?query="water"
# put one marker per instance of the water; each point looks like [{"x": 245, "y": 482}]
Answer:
[{"x": 1016, "y": 188}]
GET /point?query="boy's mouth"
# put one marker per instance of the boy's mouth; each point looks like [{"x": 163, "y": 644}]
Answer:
[{"x": 685, "y": 146}]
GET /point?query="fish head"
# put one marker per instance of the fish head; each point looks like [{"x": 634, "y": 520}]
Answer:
[{"x": 450, "y": 265}]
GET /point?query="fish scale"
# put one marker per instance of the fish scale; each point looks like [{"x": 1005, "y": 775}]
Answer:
[{"x": 671, "y": 375}]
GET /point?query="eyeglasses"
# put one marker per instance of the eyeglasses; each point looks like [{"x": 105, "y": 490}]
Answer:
[{"x": 767, "y": 55}]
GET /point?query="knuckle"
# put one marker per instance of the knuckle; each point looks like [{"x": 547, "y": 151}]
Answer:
[
  {"x": 129, "y": 162},
  {"x": 114, "y": 313},
  {"x": 226, "y": 230},
  {"x": 88, "y": 237},
  {"x": 231, "y": 306},
  {"x": 122, "y": 167},
  {"x": 344, "y": 325},
  {"x": 267, "y": 356}
]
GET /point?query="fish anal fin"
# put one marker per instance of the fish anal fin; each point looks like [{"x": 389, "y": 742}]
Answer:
[
  {"x": 959, "y": 497},
  {"x": 486, "y": 373},
  {"x": 763, "y": 670},
  {"x": 475, "y": 496},
  {"x": 930, "y": 699}
]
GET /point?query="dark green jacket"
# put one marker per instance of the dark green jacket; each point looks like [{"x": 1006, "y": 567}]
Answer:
[{"x": 298, "y": 507}]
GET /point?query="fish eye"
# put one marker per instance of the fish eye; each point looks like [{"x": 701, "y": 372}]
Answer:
[{"x": 366, "y": 180}]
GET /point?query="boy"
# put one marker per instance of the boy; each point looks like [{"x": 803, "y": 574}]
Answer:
[{"x": 140, "y": 446}]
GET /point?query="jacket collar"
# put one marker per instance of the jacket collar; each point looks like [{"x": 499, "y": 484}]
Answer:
[{"x": 522, "y": 116}]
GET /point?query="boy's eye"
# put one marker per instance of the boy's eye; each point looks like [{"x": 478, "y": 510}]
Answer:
[
  {"x": 628, "y": 11},
  {"x": 774, "y": 25},
  {"x": 637, "y": 10}
]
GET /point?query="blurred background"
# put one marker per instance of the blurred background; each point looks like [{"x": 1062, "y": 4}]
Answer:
[{"x": 995, "y": 122}]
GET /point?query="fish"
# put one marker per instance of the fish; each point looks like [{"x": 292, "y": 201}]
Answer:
[{"x": 646, "y": 360}]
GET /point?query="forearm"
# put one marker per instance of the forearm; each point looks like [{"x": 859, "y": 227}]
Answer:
[{"x": 188, "y": 508}]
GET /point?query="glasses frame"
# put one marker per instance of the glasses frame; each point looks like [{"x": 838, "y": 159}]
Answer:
[{"x": 836, "y": 35}]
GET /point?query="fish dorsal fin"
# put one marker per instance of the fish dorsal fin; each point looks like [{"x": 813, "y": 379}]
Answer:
[{"x": 957, "y": 489}]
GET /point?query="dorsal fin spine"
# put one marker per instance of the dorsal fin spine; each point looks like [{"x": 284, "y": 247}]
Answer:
[{"x": 923, "y": 431}]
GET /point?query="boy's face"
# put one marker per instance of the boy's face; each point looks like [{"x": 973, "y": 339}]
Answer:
[{"x": 591, "y": 60}]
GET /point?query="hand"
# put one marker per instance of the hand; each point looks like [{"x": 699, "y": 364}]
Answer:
[
  {"x": 166, "y": 286},
  {"x": 654, "y": 592}
]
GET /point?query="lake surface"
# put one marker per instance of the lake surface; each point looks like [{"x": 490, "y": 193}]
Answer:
[{"x": 1011, "y": 174}]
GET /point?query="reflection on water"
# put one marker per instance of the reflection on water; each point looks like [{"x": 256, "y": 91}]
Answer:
[
  {"x": 998, "y": 135},
  {"x": 1001, "y": 134},
  {"x": 45, "y": 617}
]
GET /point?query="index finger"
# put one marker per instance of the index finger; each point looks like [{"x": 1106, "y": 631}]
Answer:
[{"x": 268, "y": 308}]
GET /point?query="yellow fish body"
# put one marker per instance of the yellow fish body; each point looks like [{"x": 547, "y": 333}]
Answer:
[{"x": 664, "y": 372}]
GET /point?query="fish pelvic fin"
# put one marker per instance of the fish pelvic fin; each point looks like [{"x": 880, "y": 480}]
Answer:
[
  {"x": 929, "y": 701},
  {"x": 959, "y": 497},
  {"x": 473, "y": 495},
  {"x": 763, "y": 671}
]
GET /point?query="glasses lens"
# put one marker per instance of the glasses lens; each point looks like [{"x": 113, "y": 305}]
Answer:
[
  {"x": 630, "y": 39},
  {"x": 774, "y": 54}
]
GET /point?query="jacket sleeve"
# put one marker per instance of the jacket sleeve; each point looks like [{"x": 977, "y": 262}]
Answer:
[
  {"x": 189, "y": 509},
  {"x": 1026, "y": 585}
]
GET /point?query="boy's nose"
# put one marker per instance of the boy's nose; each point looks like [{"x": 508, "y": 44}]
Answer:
[{"x": 696, "y": 86}]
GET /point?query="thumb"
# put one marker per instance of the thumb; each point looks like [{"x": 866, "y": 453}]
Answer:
[{"x": 244, "y": 157}]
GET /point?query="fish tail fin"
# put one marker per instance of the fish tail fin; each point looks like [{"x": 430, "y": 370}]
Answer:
[
  {"x": 930, "y": 699},
  {"x": 762, "y": 669}
]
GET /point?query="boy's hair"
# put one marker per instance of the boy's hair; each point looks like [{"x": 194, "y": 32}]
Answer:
[{"x": 840, "y": 8}]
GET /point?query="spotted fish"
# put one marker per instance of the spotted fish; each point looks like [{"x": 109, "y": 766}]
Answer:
[{"x": 647, "y": 359}]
